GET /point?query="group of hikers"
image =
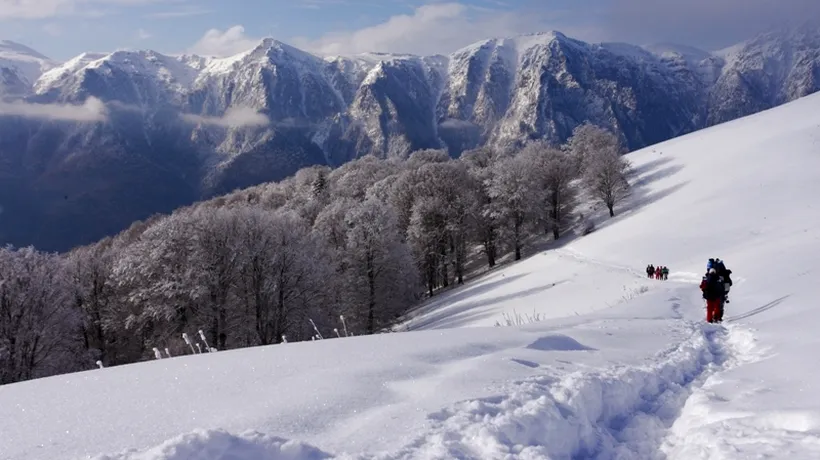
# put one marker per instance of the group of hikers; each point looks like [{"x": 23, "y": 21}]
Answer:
[
  {"x": 658, "y": 273},
  {"x": 715, "y": 286}
]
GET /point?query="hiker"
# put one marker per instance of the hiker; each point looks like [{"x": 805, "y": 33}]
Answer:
[
  {"x": 658, "y": 272},
  {"x": 650, "y": 270},
  {"x": 665, "y": 272},
  {"x": 713, "y": 290}
]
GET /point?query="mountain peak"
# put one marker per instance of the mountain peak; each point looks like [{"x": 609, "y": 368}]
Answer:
[
  {"x": 8, "y": 46},
  {"x": 26, "y": 63}
]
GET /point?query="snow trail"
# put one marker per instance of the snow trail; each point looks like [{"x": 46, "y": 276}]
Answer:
[{"x": 623, "y": 411}]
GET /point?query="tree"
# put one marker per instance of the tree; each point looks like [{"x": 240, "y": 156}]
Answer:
[
  {"x": 606, "y": 178},
  {"x": 516, "y": 197},
  {"x": 588, "y": 140},
  {"x": 484, "y": 220},
  {"x": 282, "y": 272},
  {"x": 89, "y": 270},
  {"x": 427, "y": 235},
  {"x": 156, "y": 285},
  {"x": 599, "y": 156},
  {"x": 353, "y": 179},
  {"x": 38, "y": 324},
  {"x": 555, "y": 173},
  {"x": 380, "y": 275}
]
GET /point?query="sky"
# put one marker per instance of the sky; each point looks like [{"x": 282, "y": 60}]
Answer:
[{"x": 61, "y": 29}]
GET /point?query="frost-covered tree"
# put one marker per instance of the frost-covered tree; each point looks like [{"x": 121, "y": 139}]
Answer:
[
  {"x": 399, "y": 191},
  {"x": 516, "y": 198},
  {"x": 599, "y": 155},
  {"x": 380, "y": 278},
  {"x": 427, "y": 235},
  {"x": 485, "y": 225},
  {"x": 156, "y": 287},
  {"x": 214, "y": 262},
  {"x": 587, "y": 140},
  {"x": 426, "y": 156},
  {"x": 38, "y": 322},
  {"x": 606, "y": 178},
  {"x": 89, "y": 270},
  {"x": 353, "y": 179},
  {"x": 282, "y": 272},
  {"x": 554, "y": 175}
]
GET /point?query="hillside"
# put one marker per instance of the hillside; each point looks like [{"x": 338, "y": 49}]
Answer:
[
  {"x": 184, "y": 128},
  {"x": 619, "y": 366}
]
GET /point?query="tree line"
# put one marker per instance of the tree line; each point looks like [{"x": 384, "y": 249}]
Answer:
[{"x": 286, "y": 261}]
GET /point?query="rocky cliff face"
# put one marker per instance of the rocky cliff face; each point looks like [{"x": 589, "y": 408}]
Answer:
[{"x": 179, "y": 128}]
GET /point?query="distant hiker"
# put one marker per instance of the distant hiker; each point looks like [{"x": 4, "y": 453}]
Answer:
[
  {"x": 665, "y": 272},
  {"x": 658, "y": 272},
  {"x": 650, "y": 270},
  {"x": 713, "y": 290}
]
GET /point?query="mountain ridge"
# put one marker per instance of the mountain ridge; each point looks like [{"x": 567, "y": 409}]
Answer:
[{"x": 204, "y": 126}]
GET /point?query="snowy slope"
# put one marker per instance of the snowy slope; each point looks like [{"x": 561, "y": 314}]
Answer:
[
  {"x": 643, "y": 379},
  {"x": 20, "y": 67},
  {"x": 28, "y": 63},
  {"x": 131, "y": 77}
]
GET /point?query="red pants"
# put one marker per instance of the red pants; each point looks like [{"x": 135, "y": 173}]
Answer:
[{"x": 712, "y": 309}]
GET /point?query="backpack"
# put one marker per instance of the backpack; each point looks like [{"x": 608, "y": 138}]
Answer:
[{"x": 714, "y": 287}]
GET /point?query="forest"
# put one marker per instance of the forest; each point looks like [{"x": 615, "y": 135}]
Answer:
[{"x": 325, "y": 253}]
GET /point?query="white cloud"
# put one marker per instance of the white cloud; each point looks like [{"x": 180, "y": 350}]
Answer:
[
  {"x": 92, "y": 110},
  {"x": 237, "y": 117},
  {"x": 434, "y": 28},
  {"x": 40, "y": 9},
  {"x": 220, "y": 43},
  {"x": 143, "y": 34}
]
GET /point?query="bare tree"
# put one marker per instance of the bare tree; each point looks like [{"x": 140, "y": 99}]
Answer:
[
  {"x": 555, "y": 173},
  {"x": 282, "y": 272},
  {"x": 38, "y": 323},
  {"x": 516, "y": 197},
  {"x": 484, "y": 220},
  {"x": 606, "y": 178},
  {"x": 588, "y": 140},
  {"x": 599, "y": 156},
  {"x": 380, "y": 275},
  {"x": 89, "y": 270}
]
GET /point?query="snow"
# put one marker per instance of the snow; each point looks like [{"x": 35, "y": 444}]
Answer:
[
  {"x": 53, "y": 76},
  {"x": 175, "y": 73},
  {"x": 220, "y": 66},
  {"x": 692, "y": 55},
  {"x": 619, "y": 366},
  {"x": 29, "y": 63}
]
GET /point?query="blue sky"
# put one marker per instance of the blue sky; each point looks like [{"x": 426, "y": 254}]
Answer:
[{"x": 63, "y": 28}]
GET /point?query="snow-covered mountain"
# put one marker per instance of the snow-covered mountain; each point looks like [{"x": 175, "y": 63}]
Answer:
[
  {"x": 20, "y": 67},
  {"x": 614, "y": 366},
  {"x": 183, "y": 127},
  {"x": 772, "y": 69}
]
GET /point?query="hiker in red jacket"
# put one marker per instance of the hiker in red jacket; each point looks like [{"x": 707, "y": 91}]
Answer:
[
  {"x": 713, "y": 291},
  {"x": 658, "y": 272}
]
